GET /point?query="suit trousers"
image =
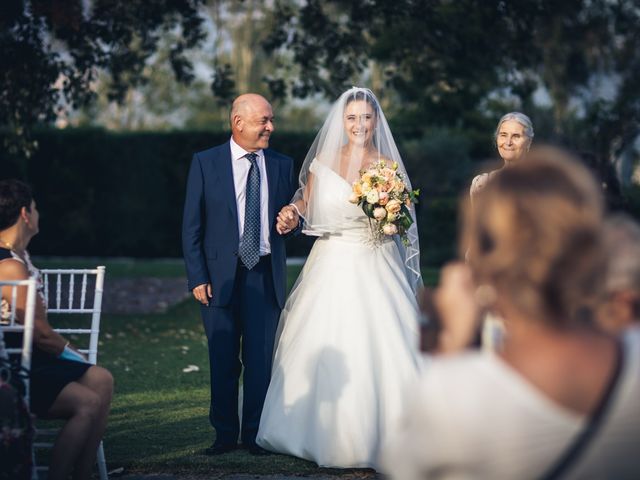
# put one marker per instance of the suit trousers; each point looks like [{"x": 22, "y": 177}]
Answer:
[{"x": 244, "y": 329}]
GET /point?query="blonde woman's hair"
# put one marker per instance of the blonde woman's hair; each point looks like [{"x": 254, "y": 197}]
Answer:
[{"x": 534, "y": 234}]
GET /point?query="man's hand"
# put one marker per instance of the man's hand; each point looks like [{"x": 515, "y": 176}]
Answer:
[
  {"x": 288, "y": 219},
  {"x": 203, "y": 293}
]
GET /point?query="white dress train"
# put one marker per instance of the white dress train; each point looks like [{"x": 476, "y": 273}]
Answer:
[{"x": 348, "y": 345}]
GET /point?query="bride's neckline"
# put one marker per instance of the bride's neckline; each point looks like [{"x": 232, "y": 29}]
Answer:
[
  {"x": 364, "y": 155},
  {"x": 335, "y": 173},
  {"x": 338, "y": 174}
]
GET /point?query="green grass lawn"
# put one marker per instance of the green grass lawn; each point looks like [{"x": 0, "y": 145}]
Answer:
[{"x": 159, "y": 420}]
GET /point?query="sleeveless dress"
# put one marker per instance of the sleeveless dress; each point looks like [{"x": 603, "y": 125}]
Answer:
[
  {"x": 348, "y": 345},
  {"x": 49, "y": 374}
]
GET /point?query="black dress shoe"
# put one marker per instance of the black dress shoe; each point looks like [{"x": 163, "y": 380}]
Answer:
[
  {"x": 257, "y": 450},
  {"x": 219, "y": 449}
]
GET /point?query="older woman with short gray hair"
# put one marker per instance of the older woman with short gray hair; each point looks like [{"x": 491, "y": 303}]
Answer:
[{"x": 513, "y": 137}]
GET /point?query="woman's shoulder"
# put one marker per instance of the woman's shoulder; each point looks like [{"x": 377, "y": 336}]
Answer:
[
  {"x": 479, "y": 178},
  {"x": 314, "y": 165},
  {"x": 446, "y": 382},
  {"x": 455, "y": 372},
  {"x": 10, "y": 266},
  {"x": 479, "y": 181}
]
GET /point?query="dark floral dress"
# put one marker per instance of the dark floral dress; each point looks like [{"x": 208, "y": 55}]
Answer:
[{"x": 16, "y": 423}]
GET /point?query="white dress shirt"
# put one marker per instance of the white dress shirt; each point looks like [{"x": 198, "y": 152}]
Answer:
[{"x": 241, "y": 166}]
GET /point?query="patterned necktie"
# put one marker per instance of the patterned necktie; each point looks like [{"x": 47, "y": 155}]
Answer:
[{"x": 250, "y": 247}]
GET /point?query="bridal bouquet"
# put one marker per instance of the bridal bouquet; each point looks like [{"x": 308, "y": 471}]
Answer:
[{"x": 382, "y": 193}]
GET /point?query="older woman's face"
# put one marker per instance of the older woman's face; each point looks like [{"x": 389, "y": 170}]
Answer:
[
  {"x": 512, "y": 141},
  {"x": 359, "y": 122}
]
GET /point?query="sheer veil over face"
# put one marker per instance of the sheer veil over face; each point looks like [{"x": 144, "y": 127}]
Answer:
[{"x": 354, "y": 135}]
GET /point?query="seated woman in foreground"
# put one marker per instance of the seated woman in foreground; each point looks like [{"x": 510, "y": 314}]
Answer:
[{"x": 63, "y": 384}]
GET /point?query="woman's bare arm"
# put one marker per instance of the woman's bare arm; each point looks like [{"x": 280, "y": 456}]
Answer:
[{"x": 43, "y": 335}]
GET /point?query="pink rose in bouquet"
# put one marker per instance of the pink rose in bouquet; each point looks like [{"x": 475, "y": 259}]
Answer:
[{"x": 382, "y": 193}]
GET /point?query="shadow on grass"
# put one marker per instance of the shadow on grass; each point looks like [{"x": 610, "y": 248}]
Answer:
[
  {"x": 169, "y": 433},
  {"x": 159, "y": 421},
  {"x": 159, "y": 418}
]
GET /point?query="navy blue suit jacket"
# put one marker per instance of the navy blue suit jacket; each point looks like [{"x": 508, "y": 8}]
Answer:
[{"x": 210, "y": 223}]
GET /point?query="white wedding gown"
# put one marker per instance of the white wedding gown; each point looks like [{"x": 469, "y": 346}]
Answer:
[{"x": 347, "y": 348}]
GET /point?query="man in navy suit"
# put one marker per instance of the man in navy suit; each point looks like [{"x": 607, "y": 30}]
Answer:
[{"x": 233, "y": 244}]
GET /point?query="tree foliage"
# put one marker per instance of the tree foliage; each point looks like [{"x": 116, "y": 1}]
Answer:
[
  {"x": 230, "y": 61},
  {"x": 441, "y": 62},
  {"x": 51, "y": 52},
  {"x": 446, "y": 59}
]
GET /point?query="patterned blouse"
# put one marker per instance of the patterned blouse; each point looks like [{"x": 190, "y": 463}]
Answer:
[{"x": 5, "y": 307}]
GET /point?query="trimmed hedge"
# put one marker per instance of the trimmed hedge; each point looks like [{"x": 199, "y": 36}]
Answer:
[{"x": 121, "y": 194}]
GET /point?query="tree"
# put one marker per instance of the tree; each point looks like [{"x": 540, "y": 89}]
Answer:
[
  {"x": 229, "y": 62},
  {"x": 589, "y": 61},
  {"x": 239, "y": 63},
  {"x": 445, "y": 60},
  {"x": 51, "y": 52},
  {"x": 439, "y": 56},
  {"x": 160, "y": 103}
]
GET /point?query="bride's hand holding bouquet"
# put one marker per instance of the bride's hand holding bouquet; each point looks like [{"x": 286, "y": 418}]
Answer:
[{"x": 382, "y": 193}]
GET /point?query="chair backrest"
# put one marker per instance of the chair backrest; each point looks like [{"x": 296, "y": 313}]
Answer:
[
  {"x": 76, "y": 292},
  {"x": 9, "y": 319},
  {"x": 76, "y": 296}
]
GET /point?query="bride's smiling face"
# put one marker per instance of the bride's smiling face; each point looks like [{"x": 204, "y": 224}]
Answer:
[{"x": 359, "y": 122}]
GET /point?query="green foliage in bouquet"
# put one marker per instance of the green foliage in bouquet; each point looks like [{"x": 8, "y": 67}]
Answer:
[{"x": 382, "y": 193}]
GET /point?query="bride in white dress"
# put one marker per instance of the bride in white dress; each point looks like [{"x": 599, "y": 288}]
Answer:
[{"x": 348, "y": 334}]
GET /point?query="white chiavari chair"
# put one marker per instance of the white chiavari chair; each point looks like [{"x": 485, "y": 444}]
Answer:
[
  {"x": 76, "y": 295},
  {"x": 9, "y": 324}
]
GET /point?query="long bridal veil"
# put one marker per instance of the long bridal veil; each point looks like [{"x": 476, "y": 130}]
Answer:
[{"x": 354, "y": 135}]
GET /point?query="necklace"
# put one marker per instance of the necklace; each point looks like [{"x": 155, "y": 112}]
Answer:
[
  {"x": 6, "y": 244},
  {"x": 14, "y": 251}
]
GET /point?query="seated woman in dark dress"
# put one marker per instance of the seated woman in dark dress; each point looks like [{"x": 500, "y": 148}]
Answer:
[{"x": 63, "y": 384}]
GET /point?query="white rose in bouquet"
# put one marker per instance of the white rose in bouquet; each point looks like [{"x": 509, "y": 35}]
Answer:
[
  {"x": 372, "y": 197},
  {"x": 389, "y": 229},
  {"x": 379, "y": 213}
]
